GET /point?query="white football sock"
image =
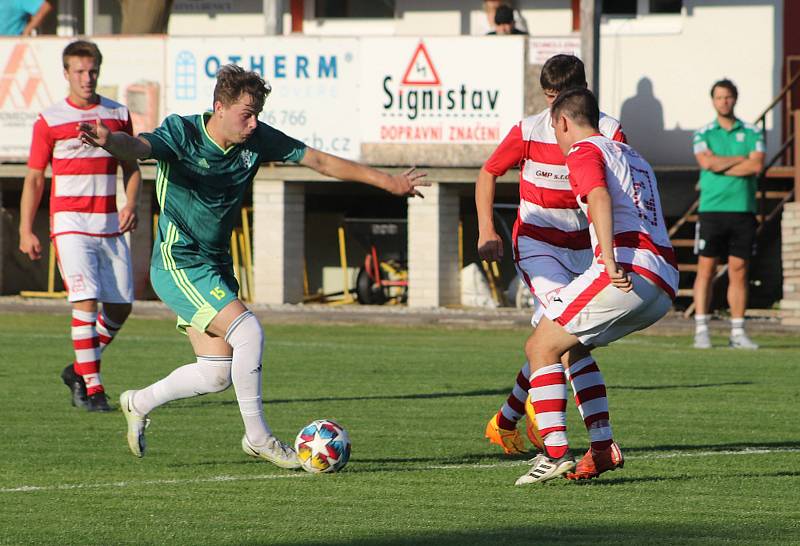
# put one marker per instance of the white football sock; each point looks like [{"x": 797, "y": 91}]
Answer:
[
  {"x": 208, "y": 374},
  {"x": 700, "y": 324},
  {"x": 737, "y": 327},
  {"x": 247, "y": 339}
]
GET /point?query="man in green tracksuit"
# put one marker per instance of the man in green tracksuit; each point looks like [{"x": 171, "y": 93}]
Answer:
[
  {"x": 205, "y": 164},
  {"x": 730, "y": 153}
]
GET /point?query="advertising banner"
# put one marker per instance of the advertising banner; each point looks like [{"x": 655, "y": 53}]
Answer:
[
  {"x": 458, "y": 90},
  {"x": 32, "y": 79},
  {"x": 541, "y": 48},
  {"x": 314, "y": 84}
]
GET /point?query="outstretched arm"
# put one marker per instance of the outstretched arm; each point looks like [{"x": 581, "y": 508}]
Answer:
[
  {"x": 404, "y": 184},
  {"x": 490, "y": 244},
  {"x": 119, "y": 143}
]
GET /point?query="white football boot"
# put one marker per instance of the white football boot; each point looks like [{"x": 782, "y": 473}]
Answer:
[
  {"x": 136, "y": 424},
  {"x": 273, "y": 451},
  {"x": 741, "y": 341},
  {"x": 544, "y": 468},
  {"x": 702, "y": 340}
]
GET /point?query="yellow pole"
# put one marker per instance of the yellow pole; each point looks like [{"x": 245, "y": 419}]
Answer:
[
  {"x": 490, "y": 278},
  {"x": 246, "y": 291},
  {"x": 343, "y": 261},
  {"x": 247, "y": 251},
  {"x": 460, "y": 245},
  {"x": 235, "y": 256},
  {"x": 51, "y": 269},
  {"x": 305, "y": 278}
]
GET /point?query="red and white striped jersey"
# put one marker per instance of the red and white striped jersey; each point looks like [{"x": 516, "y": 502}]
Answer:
[
  {"x": 83, "y": 194},
  {"x": 549, "y": 222},
  {"x": 641, "y": 242}
]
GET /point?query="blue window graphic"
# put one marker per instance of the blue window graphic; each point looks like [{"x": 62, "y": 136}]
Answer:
[{"x": 185, "y": 76}]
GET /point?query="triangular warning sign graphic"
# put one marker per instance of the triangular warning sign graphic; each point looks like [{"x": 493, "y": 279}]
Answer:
[{"x": 420, "y": 70}]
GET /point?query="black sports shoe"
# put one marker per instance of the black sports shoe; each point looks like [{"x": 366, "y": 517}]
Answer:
[
  {"x": 76, "y": 386},
  {"x": 98, "y": 402}
]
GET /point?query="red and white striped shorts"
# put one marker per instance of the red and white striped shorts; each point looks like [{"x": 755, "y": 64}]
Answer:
[{"x": 595, "y": 311}]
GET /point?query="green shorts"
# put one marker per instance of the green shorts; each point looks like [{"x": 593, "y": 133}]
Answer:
[{"x": 195, "y": 293}]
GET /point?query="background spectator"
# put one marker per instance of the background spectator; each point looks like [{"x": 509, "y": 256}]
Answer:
[
  {"x": 504, "y": 22},
  {"x": 730, "y": 153},
  {"x": 487, "y": 24},
  {"x": 22, "y": 17}
]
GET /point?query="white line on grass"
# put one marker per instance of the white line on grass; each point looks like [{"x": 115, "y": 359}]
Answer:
[{"x": 214, "y": 479}]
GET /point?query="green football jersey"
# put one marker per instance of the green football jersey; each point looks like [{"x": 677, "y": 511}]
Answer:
[
  {"x": 200, "y": 187},
  {"x": 719, "y": 192}
]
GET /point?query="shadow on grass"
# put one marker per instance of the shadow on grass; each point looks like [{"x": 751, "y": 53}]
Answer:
[
  {"x": 436, "y": 395},
  {"x": 643, "y": 532},
  {"x": 412, "y": 396},
  {"x": 736, "y": 446},
  {"x": 667, "y": 387}
]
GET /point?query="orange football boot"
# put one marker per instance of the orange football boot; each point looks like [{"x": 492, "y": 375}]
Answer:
[
  {"x": 531, "y": 427},
  {"x": 595, "y": 463},
  {"x": 509, "y": 440}
]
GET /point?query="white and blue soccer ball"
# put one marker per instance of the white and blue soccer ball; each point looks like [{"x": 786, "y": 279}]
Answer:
[{"x": 322, "y": 446}]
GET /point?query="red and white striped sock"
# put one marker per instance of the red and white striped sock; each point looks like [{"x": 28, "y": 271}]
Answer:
[
  {"x": 106, "y": 329},
  {"x": 87, "y": 350},
  {"x": 549, "y": 398},
  {"x": 514, "y": 407},
  {"x": 590, "y": 397}
]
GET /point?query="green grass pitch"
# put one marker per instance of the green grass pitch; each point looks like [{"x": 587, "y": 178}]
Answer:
[{"x": 712, "y": 444}]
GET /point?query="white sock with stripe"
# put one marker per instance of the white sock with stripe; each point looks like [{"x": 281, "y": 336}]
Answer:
[
  {"x": 208, "y": 374},
  {"x": 247, "y": 339}
]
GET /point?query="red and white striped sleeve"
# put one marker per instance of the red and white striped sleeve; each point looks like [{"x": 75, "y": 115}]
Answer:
[
  {"x": 508, "y": 153},
  {"x": 587, "y": 169},
  {"x": 619, "y": 135},
  {"x": 41, "y": 145}
]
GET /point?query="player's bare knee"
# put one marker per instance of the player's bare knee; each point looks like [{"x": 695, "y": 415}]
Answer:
[{"x": 117, "y": 312}]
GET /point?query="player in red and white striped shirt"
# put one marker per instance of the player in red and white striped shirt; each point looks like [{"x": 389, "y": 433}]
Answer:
[
  {"x": 551, "y": 246},
  {"x": 85, "y": 226},
  {"x": 629, "y": 285}
]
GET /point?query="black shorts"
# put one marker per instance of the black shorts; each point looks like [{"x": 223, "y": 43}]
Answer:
[{"x": 721, "y": 234}]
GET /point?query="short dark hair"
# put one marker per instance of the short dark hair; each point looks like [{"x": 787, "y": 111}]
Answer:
[
  {"x": 725, "y": 83},
  {"x": 562, "y": 72},
  {"x": 82, "y": 48},
  {"x": 504, "y": 15},
  {"x": 578, "y": 104},
  {"x": 233, "y": 81}
]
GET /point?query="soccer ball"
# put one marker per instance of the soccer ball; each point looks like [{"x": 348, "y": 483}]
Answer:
[{"x": 322, "y": 446}]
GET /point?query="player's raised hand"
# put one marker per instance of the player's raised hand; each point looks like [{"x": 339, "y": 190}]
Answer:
[
  {"x": 407, "y": 182},
  {"x": 490, "y": 247},
  {"x": 128, "y": 219},
  {"x": 29, "y": 244},
  {"x": 94, "y": 134}
]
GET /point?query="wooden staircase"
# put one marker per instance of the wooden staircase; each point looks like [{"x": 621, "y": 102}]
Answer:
[{"x": 776, "y": 187}]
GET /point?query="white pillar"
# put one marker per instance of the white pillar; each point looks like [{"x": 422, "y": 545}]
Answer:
[
  {"x": 273, "y": 17},
  {"x": 278, "y": 241},
  {"x": 67, "y": 21},
  {"x": 433, "y": 248}
]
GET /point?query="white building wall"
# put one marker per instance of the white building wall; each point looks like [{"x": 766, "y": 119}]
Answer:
[{"x": 656, "y": 71}]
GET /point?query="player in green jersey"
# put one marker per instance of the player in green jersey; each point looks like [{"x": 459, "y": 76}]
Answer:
[{"x": 205, "y": 164}]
